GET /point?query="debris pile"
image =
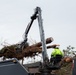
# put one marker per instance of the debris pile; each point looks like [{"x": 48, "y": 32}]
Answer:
[{"x": 28, "y": 51}]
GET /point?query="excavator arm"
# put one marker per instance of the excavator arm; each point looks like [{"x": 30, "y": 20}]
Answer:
[
  {"x": 36, "y": 15},
  {"x": 24, "y": 42}
]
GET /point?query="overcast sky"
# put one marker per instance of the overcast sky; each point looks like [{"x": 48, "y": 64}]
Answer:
[{"x": 59, "y": 21}]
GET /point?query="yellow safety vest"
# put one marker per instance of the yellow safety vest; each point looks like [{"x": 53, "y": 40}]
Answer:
[{"x": 56, "y": 52}]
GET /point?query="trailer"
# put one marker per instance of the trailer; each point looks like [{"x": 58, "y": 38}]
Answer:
[{"x": 12, "y": 67}]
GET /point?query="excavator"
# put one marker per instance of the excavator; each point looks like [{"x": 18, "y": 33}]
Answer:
[{"x": 44, "y": 67}]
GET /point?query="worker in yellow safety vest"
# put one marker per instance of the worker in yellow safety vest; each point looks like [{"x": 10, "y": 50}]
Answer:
[{"x": 56, "y": 55}]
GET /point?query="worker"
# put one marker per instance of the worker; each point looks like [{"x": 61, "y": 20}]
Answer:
[{"x": 56, "y": 55}]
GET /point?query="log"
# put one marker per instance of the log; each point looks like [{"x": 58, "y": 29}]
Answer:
[
  {"x": 52, "y": 46},
  {"x": 35, "y": 49},
  {"x": 28, "y": 52},
  {"x": 48, "y": 40},
  {"x": 10, "y": 51}
]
